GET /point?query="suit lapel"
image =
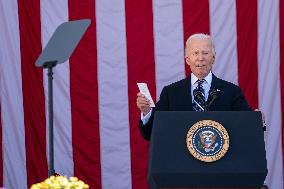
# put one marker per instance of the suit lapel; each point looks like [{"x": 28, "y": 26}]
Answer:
[
  {"x": 187, "y": 93},
  {"x": 216, "y": 85}
]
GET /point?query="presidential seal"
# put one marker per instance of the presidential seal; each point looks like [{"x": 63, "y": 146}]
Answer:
[{"x": 207, "y": 140}]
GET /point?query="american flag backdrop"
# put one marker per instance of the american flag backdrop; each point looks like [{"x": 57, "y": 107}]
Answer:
[{"x": 129, "y": 41}]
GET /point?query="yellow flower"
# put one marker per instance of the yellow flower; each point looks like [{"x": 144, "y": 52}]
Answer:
[{"x": 61, "y": 182}]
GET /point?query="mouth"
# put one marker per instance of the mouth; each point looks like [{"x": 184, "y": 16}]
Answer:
[{"x": 200, "y": 66}]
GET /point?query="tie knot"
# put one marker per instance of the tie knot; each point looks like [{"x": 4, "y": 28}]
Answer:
[{"x": 199, "y": 83}]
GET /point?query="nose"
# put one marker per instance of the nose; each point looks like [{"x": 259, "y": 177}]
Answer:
[{"x": 200, "y": 56}]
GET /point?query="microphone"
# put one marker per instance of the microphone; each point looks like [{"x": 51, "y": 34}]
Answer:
[
  {"x": 213, "y": 94},
  {"x": 197, "y": 93}
]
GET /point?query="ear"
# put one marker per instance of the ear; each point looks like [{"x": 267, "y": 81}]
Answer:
[{"x": 187, "y": 61}]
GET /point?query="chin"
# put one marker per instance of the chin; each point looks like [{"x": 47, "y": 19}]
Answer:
[{"x": 201, "y": 75}]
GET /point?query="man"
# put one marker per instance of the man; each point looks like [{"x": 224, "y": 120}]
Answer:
[
  {"x": 202, "y": 90},
  {"x": 187, "y": 94}
]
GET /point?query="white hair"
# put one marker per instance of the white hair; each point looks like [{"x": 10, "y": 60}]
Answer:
[{"x": 199, "y": 36}]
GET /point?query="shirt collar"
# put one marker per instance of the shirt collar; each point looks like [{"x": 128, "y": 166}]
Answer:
[{"x": 208, "y": 78}]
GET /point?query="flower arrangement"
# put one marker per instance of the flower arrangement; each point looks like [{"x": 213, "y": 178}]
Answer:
[{"x": 60, "y": 182}]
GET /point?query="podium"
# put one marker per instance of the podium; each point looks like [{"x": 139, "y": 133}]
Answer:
[{"x": 171, "y": 166}]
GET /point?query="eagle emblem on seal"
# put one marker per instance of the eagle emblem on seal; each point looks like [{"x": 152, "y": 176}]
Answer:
[{"x": 208, "y": 140}]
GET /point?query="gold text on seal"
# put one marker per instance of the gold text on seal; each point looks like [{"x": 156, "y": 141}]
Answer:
[{"x": 207, "y": 140}]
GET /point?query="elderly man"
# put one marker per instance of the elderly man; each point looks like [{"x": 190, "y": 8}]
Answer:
[{"x": 201, "y": 91}]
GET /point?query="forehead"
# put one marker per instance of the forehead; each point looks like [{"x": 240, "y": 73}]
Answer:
[{"x": 200, "y": 44}]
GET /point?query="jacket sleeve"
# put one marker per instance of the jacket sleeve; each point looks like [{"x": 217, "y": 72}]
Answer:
[
  {"x": 161, "y": 105},
  {"x": 239, "y": 102}
]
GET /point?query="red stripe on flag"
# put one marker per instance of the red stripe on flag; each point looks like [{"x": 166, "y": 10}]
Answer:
[
  {"x": 141, "y": 68},
  {"x": 1, "y": 150},
  {"x": 196, "y": 19},
  {"x": 84, "y": 98},
  {"x": 281, "y": 14},
  {"x": 33, "y": 91},
  {"x": 247, "y": 49}
]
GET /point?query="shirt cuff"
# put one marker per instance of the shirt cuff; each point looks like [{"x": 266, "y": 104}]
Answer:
[{"x": 146, "y": 118}]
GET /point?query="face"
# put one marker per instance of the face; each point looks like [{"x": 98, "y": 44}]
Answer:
[{"x": 200, "y": 57}]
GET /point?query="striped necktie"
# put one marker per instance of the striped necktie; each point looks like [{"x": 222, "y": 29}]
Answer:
[{"x": 199, "y": 97}]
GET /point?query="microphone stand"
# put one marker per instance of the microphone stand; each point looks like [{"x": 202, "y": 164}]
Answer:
[{"x": 214, "y": 94}]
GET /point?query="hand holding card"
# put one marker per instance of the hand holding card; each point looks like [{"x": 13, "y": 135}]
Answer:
[{"x": 143, "y": 88}]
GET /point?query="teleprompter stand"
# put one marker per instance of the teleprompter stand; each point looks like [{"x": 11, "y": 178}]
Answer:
[{"x": 59, "y": 48}]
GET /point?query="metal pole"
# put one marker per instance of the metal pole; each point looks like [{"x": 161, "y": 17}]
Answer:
[{"x": 50, "y": 65}]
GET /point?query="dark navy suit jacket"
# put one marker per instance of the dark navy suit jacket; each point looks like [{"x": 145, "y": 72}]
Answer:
[{"x": 177, "y": 97}]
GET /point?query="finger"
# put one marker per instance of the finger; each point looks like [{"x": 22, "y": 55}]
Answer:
[
  {"x": 143, "y": 103},
  {"x": 140, "y": 95},
  {"x": 142, "y": 99},
  {"x": 143, "y": 108}
]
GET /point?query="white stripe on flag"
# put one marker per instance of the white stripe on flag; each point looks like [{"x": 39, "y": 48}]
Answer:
[
  {"x": 113, "y": 94},
  {"x": 269, "y": 86},
  {"x": 169, "y": 48},
  {"x": 14, "y": 151},
  {"x": 53, "y": 13},
  {"x": 224, "y": 34}
]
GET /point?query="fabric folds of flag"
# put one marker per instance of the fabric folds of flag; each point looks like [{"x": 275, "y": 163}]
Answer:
[{"x": 129, "y": 41}]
